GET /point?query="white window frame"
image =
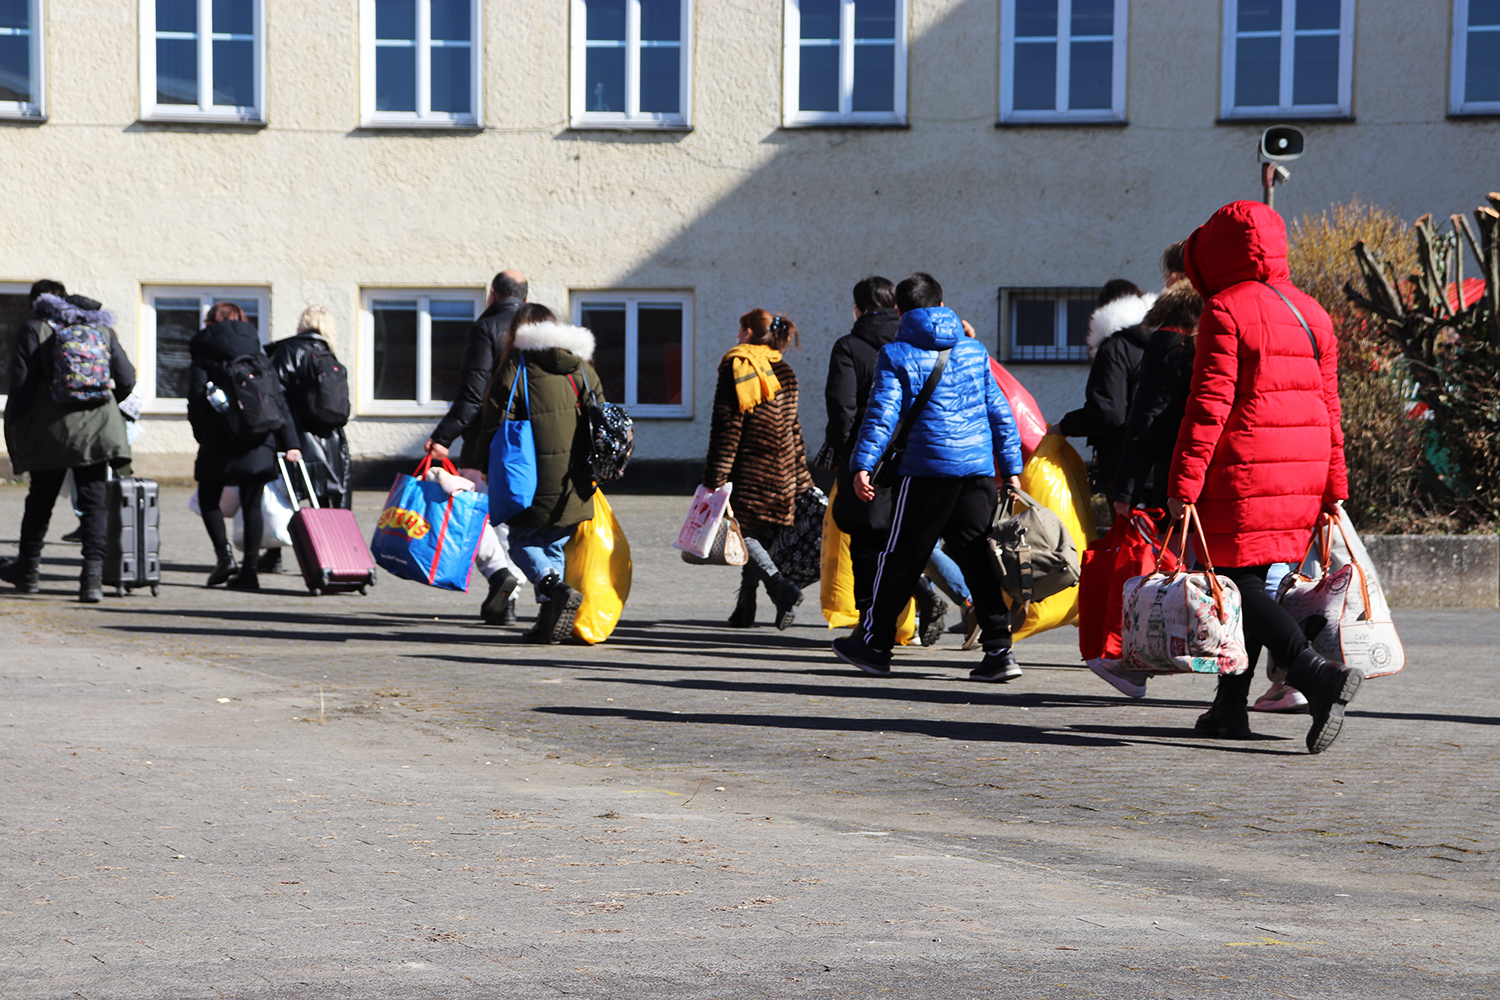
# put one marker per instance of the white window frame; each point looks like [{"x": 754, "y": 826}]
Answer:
[
  {"x": 632, "y": 117},
  {"x": 145, "y": 366},
  {"x": 1063, "y": 293},
  {"x": 1287, "y": 33},
  {"x": 1060, "y": 112},
  {"x": 424, "y": 405},
  {"x": 1456, "y": 86},
  {"x": 35, "y": 109},
  {"x": 11, "y": 288},
  {"x": 633, "y": 299},
  {"x": 793, "y": 117},
  {"x": 204, "y": 111},
  {"x": 424, "y": 116}
]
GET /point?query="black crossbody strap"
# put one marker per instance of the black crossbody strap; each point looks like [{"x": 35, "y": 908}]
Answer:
[
  {"x": 903, "y": 430},
  {"x": 1317, "y": 355}
]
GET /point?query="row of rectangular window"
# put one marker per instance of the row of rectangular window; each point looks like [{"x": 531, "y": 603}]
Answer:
[{"x": 845, "y": 60}]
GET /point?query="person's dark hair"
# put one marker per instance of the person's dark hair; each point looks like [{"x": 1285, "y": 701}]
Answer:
[
  {"x": 920, "y": 291},
  {"x": 531, "y": 312},
  {"x": 1177, "y": 307},
  {"x": 47, "y": 286},
  {"x": 507, "y": 287},
  {"x": 873, "y": 293},
  {"x": 221, "y": 312},
  {"x": 769, "y": 330},
  {"x": 1117, "y": 288},
  {"x": 1173, "y": 260}
]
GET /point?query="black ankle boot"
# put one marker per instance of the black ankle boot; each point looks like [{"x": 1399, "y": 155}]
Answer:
[
  {"x": 91, "y": 582},
  {"x": 223, "y": 569},
  {"x": 248, "y": 578},
  {"x": 932, "y": 613},
  {"x": 786, "y": 595},
  {"x": 743, "y": 615},
  {"x": 1328, "y": 686},
  {"x": 1228, "y": 718},
  {"x": 22, "y": 572}
]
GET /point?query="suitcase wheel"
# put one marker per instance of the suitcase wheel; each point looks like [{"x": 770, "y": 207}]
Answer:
[
  {"x": 363, "y": 591},
  {"x": 120, "y": 590},
  {"x": 155, "y": 590}
]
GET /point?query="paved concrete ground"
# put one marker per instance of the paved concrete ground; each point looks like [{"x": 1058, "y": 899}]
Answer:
[{"x": 209, "y": 794}]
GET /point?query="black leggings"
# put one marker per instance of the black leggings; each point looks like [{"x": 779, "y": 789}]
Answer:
[
  {"x": 251, "y": 493},
  {"x": 1267, "y": 624}
]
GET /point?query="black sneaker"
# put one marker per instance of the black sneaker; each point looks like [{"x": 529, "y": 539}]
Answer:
[
  {"x": 565, "y": 601},
  {"x": 931, "y": 616},
  {"x": 997, "y": 667},
  {"x": 853, "y": 651},
  {"x": 73, "y": 537},
  {"x": 269, "y": 561},
  {"x": 498, "y": 604}
]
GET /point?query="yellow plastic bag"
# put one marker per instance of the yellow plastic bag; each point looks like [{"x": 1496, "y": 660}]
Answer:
[
  {"x": 599, "y": 568},
  {"x": 837, "y": 582},
  {"x": 1059, "y": 481}
]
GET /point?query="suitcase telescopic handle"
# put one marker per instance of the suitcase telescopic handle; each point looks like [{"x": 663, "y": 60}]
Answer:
[{"x": 291, "y": 491}]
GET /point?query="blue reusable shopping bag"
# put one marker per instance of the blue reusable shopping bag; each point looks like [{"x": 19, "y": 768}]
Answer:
[
  {"x": 427, "y": 535},
  {"x": 513, "y": 457}
]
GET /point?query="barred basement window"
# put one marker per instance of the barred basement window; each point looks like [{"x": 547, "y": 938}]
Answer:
[{"x": 1046, "y": 324}]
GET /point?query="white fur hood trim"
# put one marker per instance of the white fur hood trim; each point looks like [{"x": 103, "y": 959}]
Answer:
[
  {"x": 1112, "y": 317},
  {"x": 539, "y": 336}
]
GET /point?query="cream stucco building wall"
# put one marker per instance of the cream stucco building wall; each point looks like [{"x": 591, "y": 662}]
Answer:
[{"x": 735, "y": 212}]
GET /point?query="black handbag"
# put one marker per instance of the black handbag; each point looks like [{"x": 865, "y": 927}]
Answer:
[
  {"x": 886, "y": 470},
  {"x": 799, "y": 545}
]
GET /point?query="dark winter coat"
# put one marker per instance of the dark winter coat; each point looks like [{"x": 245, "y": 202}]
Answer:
[
  {"x": 41, "y": 433},
  {"x": 1260, "y": 450},
  {"x": 326, "y": 455},
  {"x": 966, "y": 426},
  {"x": 559, "y": 360},
  {"x": 482, "y": 349},
  {"x": 223, "y": 457},
  {"x": 1119, "y": 343},
  {"x": 1155, "y": 416},
  {"x": 761, "y": 451},
  {"x": 851, "y": 370}
]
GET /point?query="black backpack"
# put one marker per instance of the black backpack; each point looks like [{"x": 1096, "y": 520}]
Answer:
[
  {"x": 254, "y": 408},
  {"x": 323, "y": 404},
  {"x": 611, "y": 433}
]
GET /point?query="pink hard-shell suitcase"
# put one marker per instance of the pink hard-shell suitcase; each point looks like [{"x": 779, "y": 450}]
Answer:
[{"x": 330, "y": 547}]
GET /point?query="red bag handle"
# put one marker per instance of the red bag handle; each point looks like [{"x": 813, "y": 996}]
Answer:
[{"x": 426, "y": 464}]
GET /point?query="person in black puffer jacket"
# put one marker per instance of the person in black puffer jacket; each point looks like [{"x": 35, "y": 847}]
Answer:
[{"x": 223, "y": 458}]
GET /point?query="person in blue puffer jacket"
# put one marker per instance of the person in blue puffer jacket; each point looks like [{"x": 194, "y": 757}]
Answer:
[{"x": 946, "y": 485}]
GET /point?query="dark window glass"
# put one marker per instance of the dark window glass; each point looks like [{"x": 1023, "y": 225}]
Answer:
[
  {"x": 875, "y": 19},
  {"x": 1093, "y": 17},
  {"x": 661, "y": 20},
  {"x": 1035, "y": 76},
  {"x": 234, "y": 17},
  {"x": 449, "y": 20},
  {"x": 820, "y": 19},
  {"x": 15, "y": 15},
  {"x": 1036, "y": 323},
  {"x": 1313, "y": 14},
  {"x": 1259, "y": 15},
  {"x": 396, "y": 19},
  {"x": 450, "y": 79},
  {"x": 15, "y": 310},
  {"x": 818, "y": 78},
  {"x": 176, "y": 71},
  {"x": 658, "y": 377},
  {"x": 176, "y": 322},
  {"x": 1257, "y": 72},
  {"x": 177, "y": 15},
  {"x": 450, "y": 327},
  {"x": 1315, "y": 70},
  {"x": 234, "y": 73},
  {"x": 604, "y": 78},
  {"x": 15, "y": 68},
  {"x": 1036, "y": 18},
  {"x": 606, "y": 320},
  {"x": 1091, "y": 75},
  {"x": 606, "y": 20},
  {"x": 1483, "y": 12},
  {"x": 396, "y": 78},
  {"x": 1482, "y": 66},
  {"x": 661, "y": 83},
  {"x": 874, "y": 78},
  {"x": 1079, "y": 311},
  {"x": 395, "y": 348}
]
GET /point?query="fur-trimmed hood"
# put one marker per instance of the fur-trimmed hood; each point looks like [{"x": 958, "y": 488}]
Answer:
[
  {"x": 540, "y": 336},
  {"x": 1121, "y": 314},
  {"x": 61, "y": 311},
  {"x": 1178, "y": 306}
]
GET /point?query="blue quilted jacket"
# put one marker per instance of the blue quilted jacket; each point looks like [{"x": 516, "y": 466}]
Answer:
[{"x": 955, "y": 435}]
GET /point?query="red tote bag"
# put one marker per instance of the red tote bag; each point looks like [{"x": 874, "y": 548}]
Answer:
[{"x": 1129, "y": 549}]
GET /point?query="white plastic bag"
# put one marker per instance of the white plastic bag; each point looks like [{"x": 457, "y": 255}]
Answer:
[
  {"x": 229, "y": 501},
  {"x": 278, "y": 510},
  {"x": 701, "y": 526}
]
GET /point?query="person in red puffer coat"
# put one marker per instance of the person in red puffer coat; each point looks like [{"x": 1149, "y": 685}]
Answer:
[{"x": 1260, "y": 451}]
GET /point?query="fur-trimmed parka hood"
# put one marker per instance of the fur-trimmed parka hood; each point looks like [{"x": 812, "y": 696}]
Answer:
[
  {"x": 1178, "y": 306},
  {"x": 72, "y": 310},
  {"x": 1120, "y": 314},
  {"x": 540, "y": 336}
]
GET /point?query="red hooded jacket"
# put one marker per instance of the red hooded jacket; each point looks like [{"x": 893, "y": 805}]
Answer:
[{"x": 1260, "y": 449}]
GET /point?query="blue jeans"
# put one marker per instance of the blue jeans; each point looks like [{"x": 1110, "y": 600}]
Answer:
[
  {"x": 944, "y": 572},
  {"x": 539, "y": 553}
]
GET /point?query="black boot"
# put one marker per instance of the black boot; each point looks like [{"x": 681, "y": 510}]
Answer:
[
  {"x": 786, "y": 595},
  {"x": 743, "y": 615},
  {"x": 91, "y": 582},
  {"x": 22, "y": 572},
  {"x": 248, "y": 578},
  {"x": 498, "y": 605},
  {"x": 269, "y": 562},
  {"x": 1328, "y": 686},
  {"x": 1228, "y": 718},
  {"x": 932, "y": 611},
  {"x": 224, "y": 569}
]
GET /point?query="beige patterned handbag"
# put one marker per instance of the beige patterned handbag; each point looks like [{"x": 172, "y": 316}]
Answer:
[{"x": 728, "y": 547}]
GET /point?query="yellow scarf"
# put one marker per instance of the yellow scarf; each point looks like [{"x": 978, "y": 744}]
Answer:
[{"x": 754, "y": 381}]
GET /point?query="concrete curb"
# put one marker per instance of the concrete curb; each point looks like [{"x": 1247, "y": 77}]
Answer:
[{"x": 1438, "y": 571}]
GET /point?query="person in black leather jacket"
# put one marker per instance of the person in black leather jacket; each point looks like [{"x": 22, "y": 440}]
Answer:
[
  {"x": 326, "y": 455},
  {"x": 483, "y": 347}
]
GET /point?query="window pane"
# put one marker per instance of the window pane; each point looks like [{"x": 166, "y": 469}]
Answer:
[
  {"x": 874, "y": 78},
  {"x": 1079, "y": 311},
  {"x": 251, "y": 309},
  {"x": 176, "y": 71},
  {"x": 450, "y": 79},
  {"x": 395, "y": 348},
  {"x": 234, "y": 74},
  {"x": 177, "y": 15},
  {"x": 661, "y": 20},
  {"x": 604, "y": 79},
  {"x": 818, "y": 78},
  {"x": 1091, "y": 75},
  {"x": 1035, "y": 76},
  {"x": 449, "y": 20},
  {"x": 1482, "y": 67},
  {"x": 1093, "y": 17},
  {"x": 1257, "y": 72},
  {"x": 15, "y": 310},
  {"x": 1036, "y": 18},
  {"x": 606, "y": 320},
  {"x": 234, "y": 17},
  {"x": 396, "y": 78},
  {"x": 1313, "y": 14},
  {"x": 661, "y": 90},
  {"x": 450, "y": 327},
  {"x": 1035, "y": 323},
  {"x": 15, "y": 68},
  {"x": 658, "y": 377},
  {"x": 1259, "y": 15},
  {"x": 1483, "y": 12},
  {"x": 15, "y": 14},
  {"x": 396, "y": 19},
  {"x": 820, "y": 19},
  {"x": 176, "y": 322},
  {"x": 1315, "y": 70},
  {"x": 875, "y": 19},
  {"x": 606, "y": 20}
]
